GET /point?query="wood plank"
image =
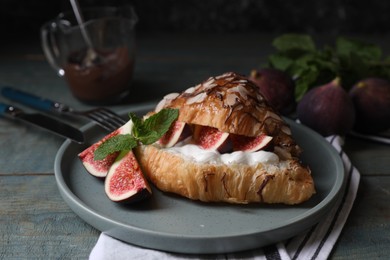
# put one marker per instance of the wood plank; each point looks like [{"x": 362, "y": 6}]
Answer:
[
  {"x": 36, "y": 223},
  {"x": 26, "y": 149},
  {"x": 366, "y": 234},
  {"x": 369, "y": 157}
]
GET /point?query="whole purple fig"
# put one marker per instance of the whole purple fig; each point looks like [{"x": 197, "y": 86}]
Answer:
[
  {"x": 371, "y": 97},
  {"x": 327, "y": 109},
  {"x": 277, "y": 87}
]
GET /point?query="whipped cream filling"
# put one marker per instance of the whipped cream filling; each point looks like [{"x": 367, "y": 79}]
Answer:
[{"x": 197, "y": 154}]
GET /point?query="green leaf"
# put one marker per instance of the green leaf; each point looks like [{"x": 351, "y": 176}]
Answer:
[
  {"x": 138, "y": 129},
  {"x": 380, "y": 69},
  {"x": 305, "y": 81},
  {"x": 161, "y": 121},
  {"x": 298, "y": 68},
  {"x": 158, "y": 124},
  {"x": 114, "y": 144},
  {"x": 278, "y": 61},
  {"x": 154, "y": 127},
  {"x": 149, "y": 137},
  {"x": 366, "y": 51},
  {"x": 146, "y": 132},
  {"x": 293, "y": 42},
  {"x": 309, "y": 66}
]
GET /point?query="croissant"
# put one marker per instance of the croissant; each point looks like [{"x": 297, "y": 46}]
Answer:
[{"x": 233, "y": 106}]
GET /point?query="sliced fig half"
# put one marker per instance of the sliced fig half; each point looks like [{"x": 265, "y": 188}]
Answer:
[
  {"x": 125, "y": 181},
  {"x": 249, "y": 144},
  {"x": 176, "y": 133},
  {"x": 210, "y": 138},
  {"x": 100, "y": 168}
]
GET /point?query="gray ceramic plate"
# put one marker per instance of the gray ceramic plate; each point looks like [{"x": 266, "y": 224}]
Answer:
[{"x": 171, "y": 223}]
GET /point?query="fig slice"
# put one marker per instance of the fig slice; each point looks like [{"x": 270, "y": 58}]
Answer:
[
  {"x": 250, "y": 144},
  {"x": 100, "y": 168},
  {"x": 176, "y": 133},
  {"x": 210, "y": 138},
  {"x": 125, "y": 181}
]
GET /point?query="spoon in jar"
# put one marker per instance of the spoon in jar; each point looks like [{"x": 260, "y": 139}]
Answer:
[{"x": 91, "y": 57}]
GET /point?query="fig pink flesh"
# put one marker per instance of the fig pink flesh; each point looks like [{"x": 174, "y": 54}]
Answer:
[
  {"x": 250, "y": 144},
  {"x": 96, "y": 168},
  {"x": 210, "y": 138},
  {"x": 173, "y": 135},
  {"x": 125, "y": 179},
  {"x": 101, "y": 167}
]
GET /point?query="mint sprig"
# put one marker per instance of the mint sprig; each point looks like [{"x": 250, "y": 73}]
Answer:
[
  {"x": 311, "y": 65},
  {"x": 145, "y": 131}
]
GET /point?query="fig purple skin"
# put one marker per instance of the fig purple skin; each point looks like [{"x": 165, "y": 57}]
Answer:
[
  {"x": 371, "y": 97},
  {"x": 327, "y": 109},
  {"x": 277, "y": 87}
]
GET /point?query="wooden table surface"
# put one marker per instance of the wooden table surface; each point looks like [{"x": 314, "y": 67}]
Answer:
[{"x": 35, "y": 222}]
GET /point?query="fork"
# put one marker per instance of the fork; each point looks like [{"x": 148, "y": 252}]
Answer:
[{"x": 104, "y": 117}]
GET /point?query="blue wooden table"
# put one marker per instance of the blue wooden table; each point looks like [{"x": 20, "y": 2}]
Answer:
[{"x": 34, "y": 220}]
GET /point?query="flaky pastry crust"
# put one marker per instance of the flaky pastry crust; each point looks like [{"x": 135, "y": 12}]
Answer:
[{"x": 285, "y": 182}]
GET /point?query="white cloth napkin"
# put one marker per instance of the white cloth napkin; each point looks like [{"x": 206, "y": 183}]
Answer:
[{"x": 317, "y": 243}]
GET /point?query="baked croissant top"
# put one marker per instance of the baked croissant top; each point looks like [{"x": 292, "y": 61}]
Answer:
[{"x": 232, "y": 103}]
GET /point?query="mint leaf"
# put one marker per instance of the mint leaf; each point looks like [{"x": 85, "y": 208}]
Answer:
[
  {"x": 278, "y": 61},
  {"x": 366, "y": 51},
  {"x": 146, "y": 132},
  {"x": 155, "y": 126},
  {"x": 138, "y": 129},
  {"x": 293, "y": 43},
  {"x": 161, "y": 121},
  {"x": 306, "y": 79},
  {"x": 114, "y": 144},
  {"x": 381, "y": 69},
  {"x": 158, "y": 124},
  {"x": 149, "y": 137}
]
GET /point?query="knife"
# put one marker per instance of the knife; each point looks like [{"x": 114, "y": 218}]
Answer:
[{"x": 43, "y": 121}]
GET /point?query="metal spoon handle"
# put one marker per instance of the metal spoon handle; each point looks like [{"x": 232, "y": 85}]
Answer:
[{"x": 80, "y": 21}]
